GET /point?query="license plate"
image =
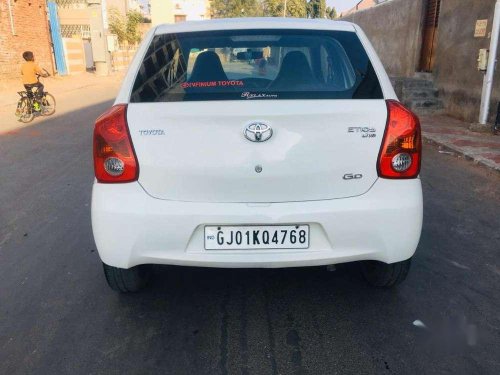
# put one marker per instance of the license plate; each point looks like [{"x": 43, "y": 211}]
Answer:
[{"x": 257, "y": 237}]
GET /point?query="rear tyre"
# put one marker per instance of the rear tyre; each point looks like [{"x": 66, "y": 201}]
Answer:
[
  {"x": 127, "y": 280},
  {"x": 25, "y": 111},
  {"x": 383, "y": 275}
]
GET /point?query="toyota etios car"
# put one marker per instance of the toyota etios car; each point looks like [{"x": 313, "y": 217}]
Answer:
[{"x": 256, "y": 143}]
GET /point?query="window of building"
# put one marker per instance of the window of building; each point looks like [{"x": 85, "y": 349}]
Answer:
[{"x": 179, "y": 18}]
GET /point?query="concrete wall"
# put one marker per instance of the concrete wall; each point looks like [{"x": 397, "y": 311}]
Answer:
[
  {"x": 120, "y": 5},
  {"x": 74, "y": 16},
  {"x": 28, "y": 31},
  {"x": 123, "y": 6},
  {"x": 121, "y": 58},
  {"x": 82, "y": 15},
  {"x": 395, "y": 30},
  {"x": 361, "y": 5},
  {"x": 162, "y": 11},
  {"x": 455, "y": 70},
  {"x": 365, "y": 4}
]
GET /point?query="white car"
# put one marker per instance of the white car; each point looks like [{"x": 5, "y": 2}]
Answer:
[{"x": 301, "y": 156}]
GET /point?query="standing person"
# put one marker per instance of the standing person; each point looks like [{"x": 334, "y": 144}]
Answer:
[
  {"x": 262, "y": 66},
  {"x": 29, "y": 71}
]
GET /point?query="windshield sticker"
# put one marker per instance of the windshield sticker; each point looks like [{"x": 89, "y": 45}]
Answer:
[
  {"x": 251, "y": 95},
  {"x": 185, "y": 85}
]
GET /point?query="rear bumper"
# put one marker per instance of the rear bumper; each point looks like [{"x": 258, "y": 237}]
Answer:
[{"x": 130, "y": 227}]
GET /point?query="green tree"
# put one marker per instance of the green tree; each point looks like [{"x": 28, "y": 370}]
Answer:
[
  {"x": 134, "y": 19},
  {"x": 236, "y": 8},
  {"x": 294, "y": 8},
  {"x": 331, "y": 13},
  {"x": 117, "y": 25},
  {"x": 273, "y": 8},
  {"x": 126, "y": 28},
  {"x": 316, "y": 9}
]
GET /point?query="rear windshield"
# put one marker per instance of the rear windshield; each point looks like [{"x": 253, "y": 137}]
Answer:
[{"x": 255, "y": 64}]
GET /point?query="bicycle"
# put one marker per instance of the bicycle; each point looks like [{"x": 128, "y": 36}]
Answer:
[{"x": 29, "y": 106}]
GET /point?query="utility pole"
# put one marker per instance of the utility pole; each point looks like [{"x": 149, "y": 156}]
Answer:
[
  {"x": 284, "y": 10},
  {"x": 488, "y": 78},
  {"x": 98, "y": 26}
]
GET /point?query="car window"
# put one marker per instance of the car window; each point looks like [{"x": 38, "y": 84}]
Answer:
[{"x": 258, "y": 64}]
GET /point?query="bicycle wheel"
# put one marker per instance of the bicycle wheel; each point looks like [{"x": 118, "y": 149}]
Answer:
[
  {"x": 48, "y": 104},
  {"x": 25, "y": 111}
]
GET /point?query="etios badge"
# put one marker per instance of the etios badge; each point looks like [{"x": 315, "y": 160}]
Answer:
[{"x": 258, "y": 132}]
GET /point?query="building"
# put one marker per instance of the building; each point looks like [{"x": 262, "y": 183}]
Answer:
[
  {"x": 82, "y": 29},
  {"x": 362, "y": 5},
  {"x": 23, "y": 26},
  {"x": 440, "y": 40},
  {"x": 124, "y": 6},
  {"x": 174, "y": 11},
  {"x": 88, "y": 44},
  {"x": 78, "y": 13}
]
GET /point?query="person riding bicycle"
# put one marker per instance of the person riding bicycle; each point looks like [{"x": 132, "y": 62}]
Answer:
[
  {"x": 30, "y": 72},
  {"x": 38, "y": 103}
]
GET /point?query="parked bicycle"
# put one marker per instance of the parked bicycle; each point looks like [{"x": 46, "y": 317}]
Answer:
[{"x": 30, "y": 106}]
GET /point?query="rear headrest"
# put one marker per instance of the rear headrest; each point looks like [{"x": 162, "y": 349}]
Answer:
[
  {"x": 207, "y": 67},
  {"x": 295, "y": 70}
]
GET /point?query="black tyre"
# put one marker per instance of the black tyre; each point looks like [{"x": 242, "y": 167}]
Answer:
[
  {"x": 25, "y": 111},
  {"x": 127, "y": 280},
  {"x": 48, "y": 105},
  {"x": 385, "y": 275}
]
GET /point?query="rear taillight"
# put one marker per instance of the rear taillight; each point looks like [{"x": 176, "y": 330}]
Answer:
[
  {"x": 114, "y": 156},
  {"x": 401, "y": 152}
]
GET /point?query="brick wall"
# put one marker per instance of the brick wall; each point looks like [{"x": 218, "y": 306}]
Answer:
[{"x": 31, "y": 33}]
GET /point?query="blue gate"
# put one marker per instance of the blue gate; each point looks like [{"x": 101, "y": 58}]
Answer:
[{"x": 55, "y": 31}]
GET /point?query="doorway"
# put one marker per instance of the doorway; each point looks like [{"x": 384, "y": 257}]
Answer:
[{"x": 429, "y": 41}]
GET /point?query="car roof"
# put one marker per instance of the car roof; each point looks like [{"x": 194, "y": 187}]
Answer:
[{"x": 255, "y": 23}]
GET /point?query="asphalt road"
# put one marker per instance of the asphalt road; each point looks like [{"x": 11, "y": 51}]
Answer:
[{"x": 57, "y": 315}]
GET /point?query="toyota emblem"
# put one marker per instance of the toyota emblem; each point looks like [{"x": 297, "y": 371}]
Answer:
[{"x": 258, "y": 132}]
